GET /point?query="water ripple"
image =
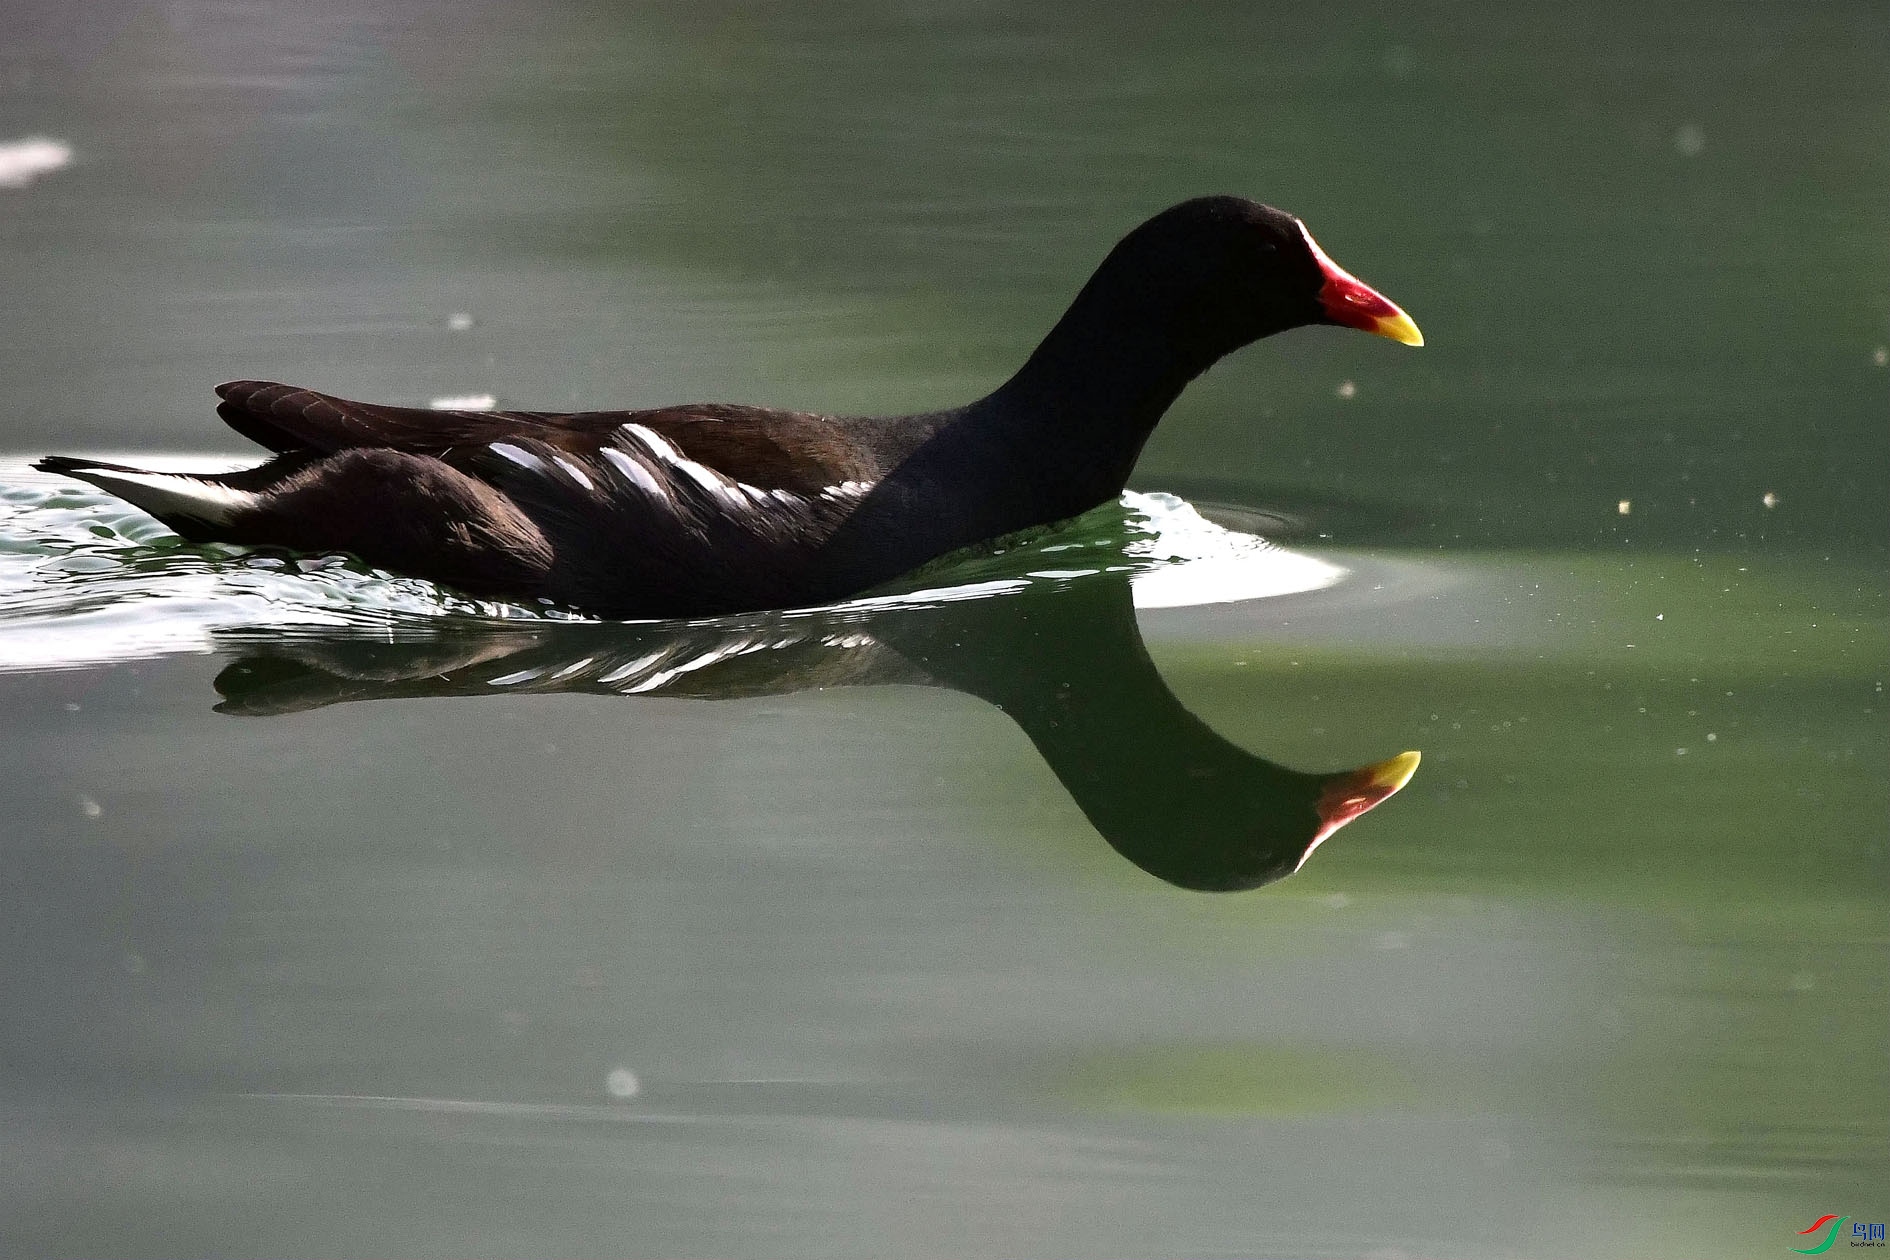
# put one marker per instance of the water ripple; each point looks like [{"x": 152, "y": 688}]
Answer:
[{"x": 85, "y": 578}]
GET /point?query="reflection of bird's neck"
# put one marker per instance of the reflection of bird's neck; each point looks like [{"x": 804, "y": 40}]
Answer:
[{"x": 1166, "y": 791}]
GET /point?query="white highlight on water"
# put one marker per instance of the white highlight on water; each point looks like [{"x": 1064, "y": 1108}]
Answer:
[
  {"x": 23, "y": 161},
  {"x": 1209, "y": 564}
]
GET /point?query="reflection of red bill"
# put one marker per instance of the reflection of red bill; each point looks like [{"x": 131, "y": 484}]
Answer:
[
  {"x": 1352, "y": 793},
  {"x": 1350, "y": 301}
]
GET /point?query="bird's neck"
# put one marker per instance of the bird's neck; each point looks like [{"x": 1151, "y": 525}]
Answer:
[{"x": 1092, "y": 392}]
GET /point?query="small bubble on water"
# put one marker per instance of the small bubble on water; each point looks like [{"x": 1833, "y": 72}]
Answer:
[
  {"x": 1712, "y": 737},
  {"x": 1804, "y": 982},
  {"x": 133, "y": 963},
  {"x": 623, "y": 1083},
  {"x": 1624, "y": 506},
  {"x": 459, "y": 321},
  {"x": 1881, "y": 356},
  {"x": 1769, "y": 499},
  {"x": 1338, "y": 901},
  {"x": 1689, "y": 140},
  {"x": 90, "y": 808},
  {"x": 1346, "y": 390}
]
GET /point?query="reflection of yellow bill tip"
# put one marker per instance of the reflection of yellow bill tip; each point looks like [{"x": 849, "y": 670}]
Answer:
[
  {"x": 1393, "y": 773},
  {"x": 1346, "y": 796}
]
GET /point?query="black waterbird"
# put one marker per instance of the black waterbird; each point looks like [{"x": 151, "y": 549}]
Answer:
[{"x": 708, "y": 509}]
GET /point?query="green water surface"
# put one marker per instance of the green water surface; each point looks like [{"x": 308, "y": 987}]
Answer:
[{"x": 839, "y": 970}]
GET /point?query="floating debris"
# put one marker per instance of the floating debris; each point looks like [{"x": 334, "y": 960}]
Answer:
[
  {"x": 23, "y": 161},
  {"x": 1769, "y": 499},
  {"x": 459, "y": 321},
  {"x": 1624, "y": 506},
  {"x": 464, "y": 402}
]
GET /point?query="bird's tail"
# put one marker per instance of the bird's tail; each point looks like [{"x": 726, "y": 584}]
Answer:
[{"x": 197, "y": 507}]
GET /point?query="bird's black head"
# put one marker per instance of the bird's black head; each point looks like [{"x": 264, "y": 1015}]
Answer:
[
  {"x": 1219, "y": 272},
  {"x": 1194, "y": 283}
]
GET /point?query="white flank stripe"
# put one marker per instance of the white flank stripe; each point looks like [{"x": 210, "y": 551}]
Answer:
[
  {"x": 577, "y": 474},
  {"x": 639, "y": 475},
  {"x": 162, "y": 494},
  {"x": 518, "y": 455},
  {"x": 654, "y": 442},
  {"x": 704, "y": 477}
]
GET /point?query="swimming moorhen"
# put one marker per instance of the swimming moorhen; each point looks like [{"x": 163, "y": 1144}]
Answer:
[{"x": 712, "y": 508}]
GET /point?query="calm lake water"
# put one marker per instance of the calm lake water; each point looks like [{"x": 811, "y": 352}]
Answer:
[{"x": 345, "y": 917}]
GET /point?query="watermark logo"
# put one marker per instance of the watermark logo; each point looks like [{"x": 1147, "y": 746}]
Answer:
[
  {"x": 1828, "y": 1228},
  {"x": 1830, "y": 1225}
]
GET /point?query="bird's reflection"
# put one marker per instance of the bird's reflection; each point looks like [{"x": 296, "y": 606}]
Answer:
[{"x": 1065, "y": 662}]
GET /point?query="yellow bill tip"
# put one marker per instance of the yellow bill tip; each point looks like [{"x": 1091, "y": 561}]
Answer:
[
  {"x": 1349, "y": 301},
  {"x": 1400, "y": 328}
]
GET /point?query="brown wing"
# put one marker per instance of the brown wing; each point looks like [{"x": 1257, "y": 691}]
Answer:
[{"x": 785, "y": 450}]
